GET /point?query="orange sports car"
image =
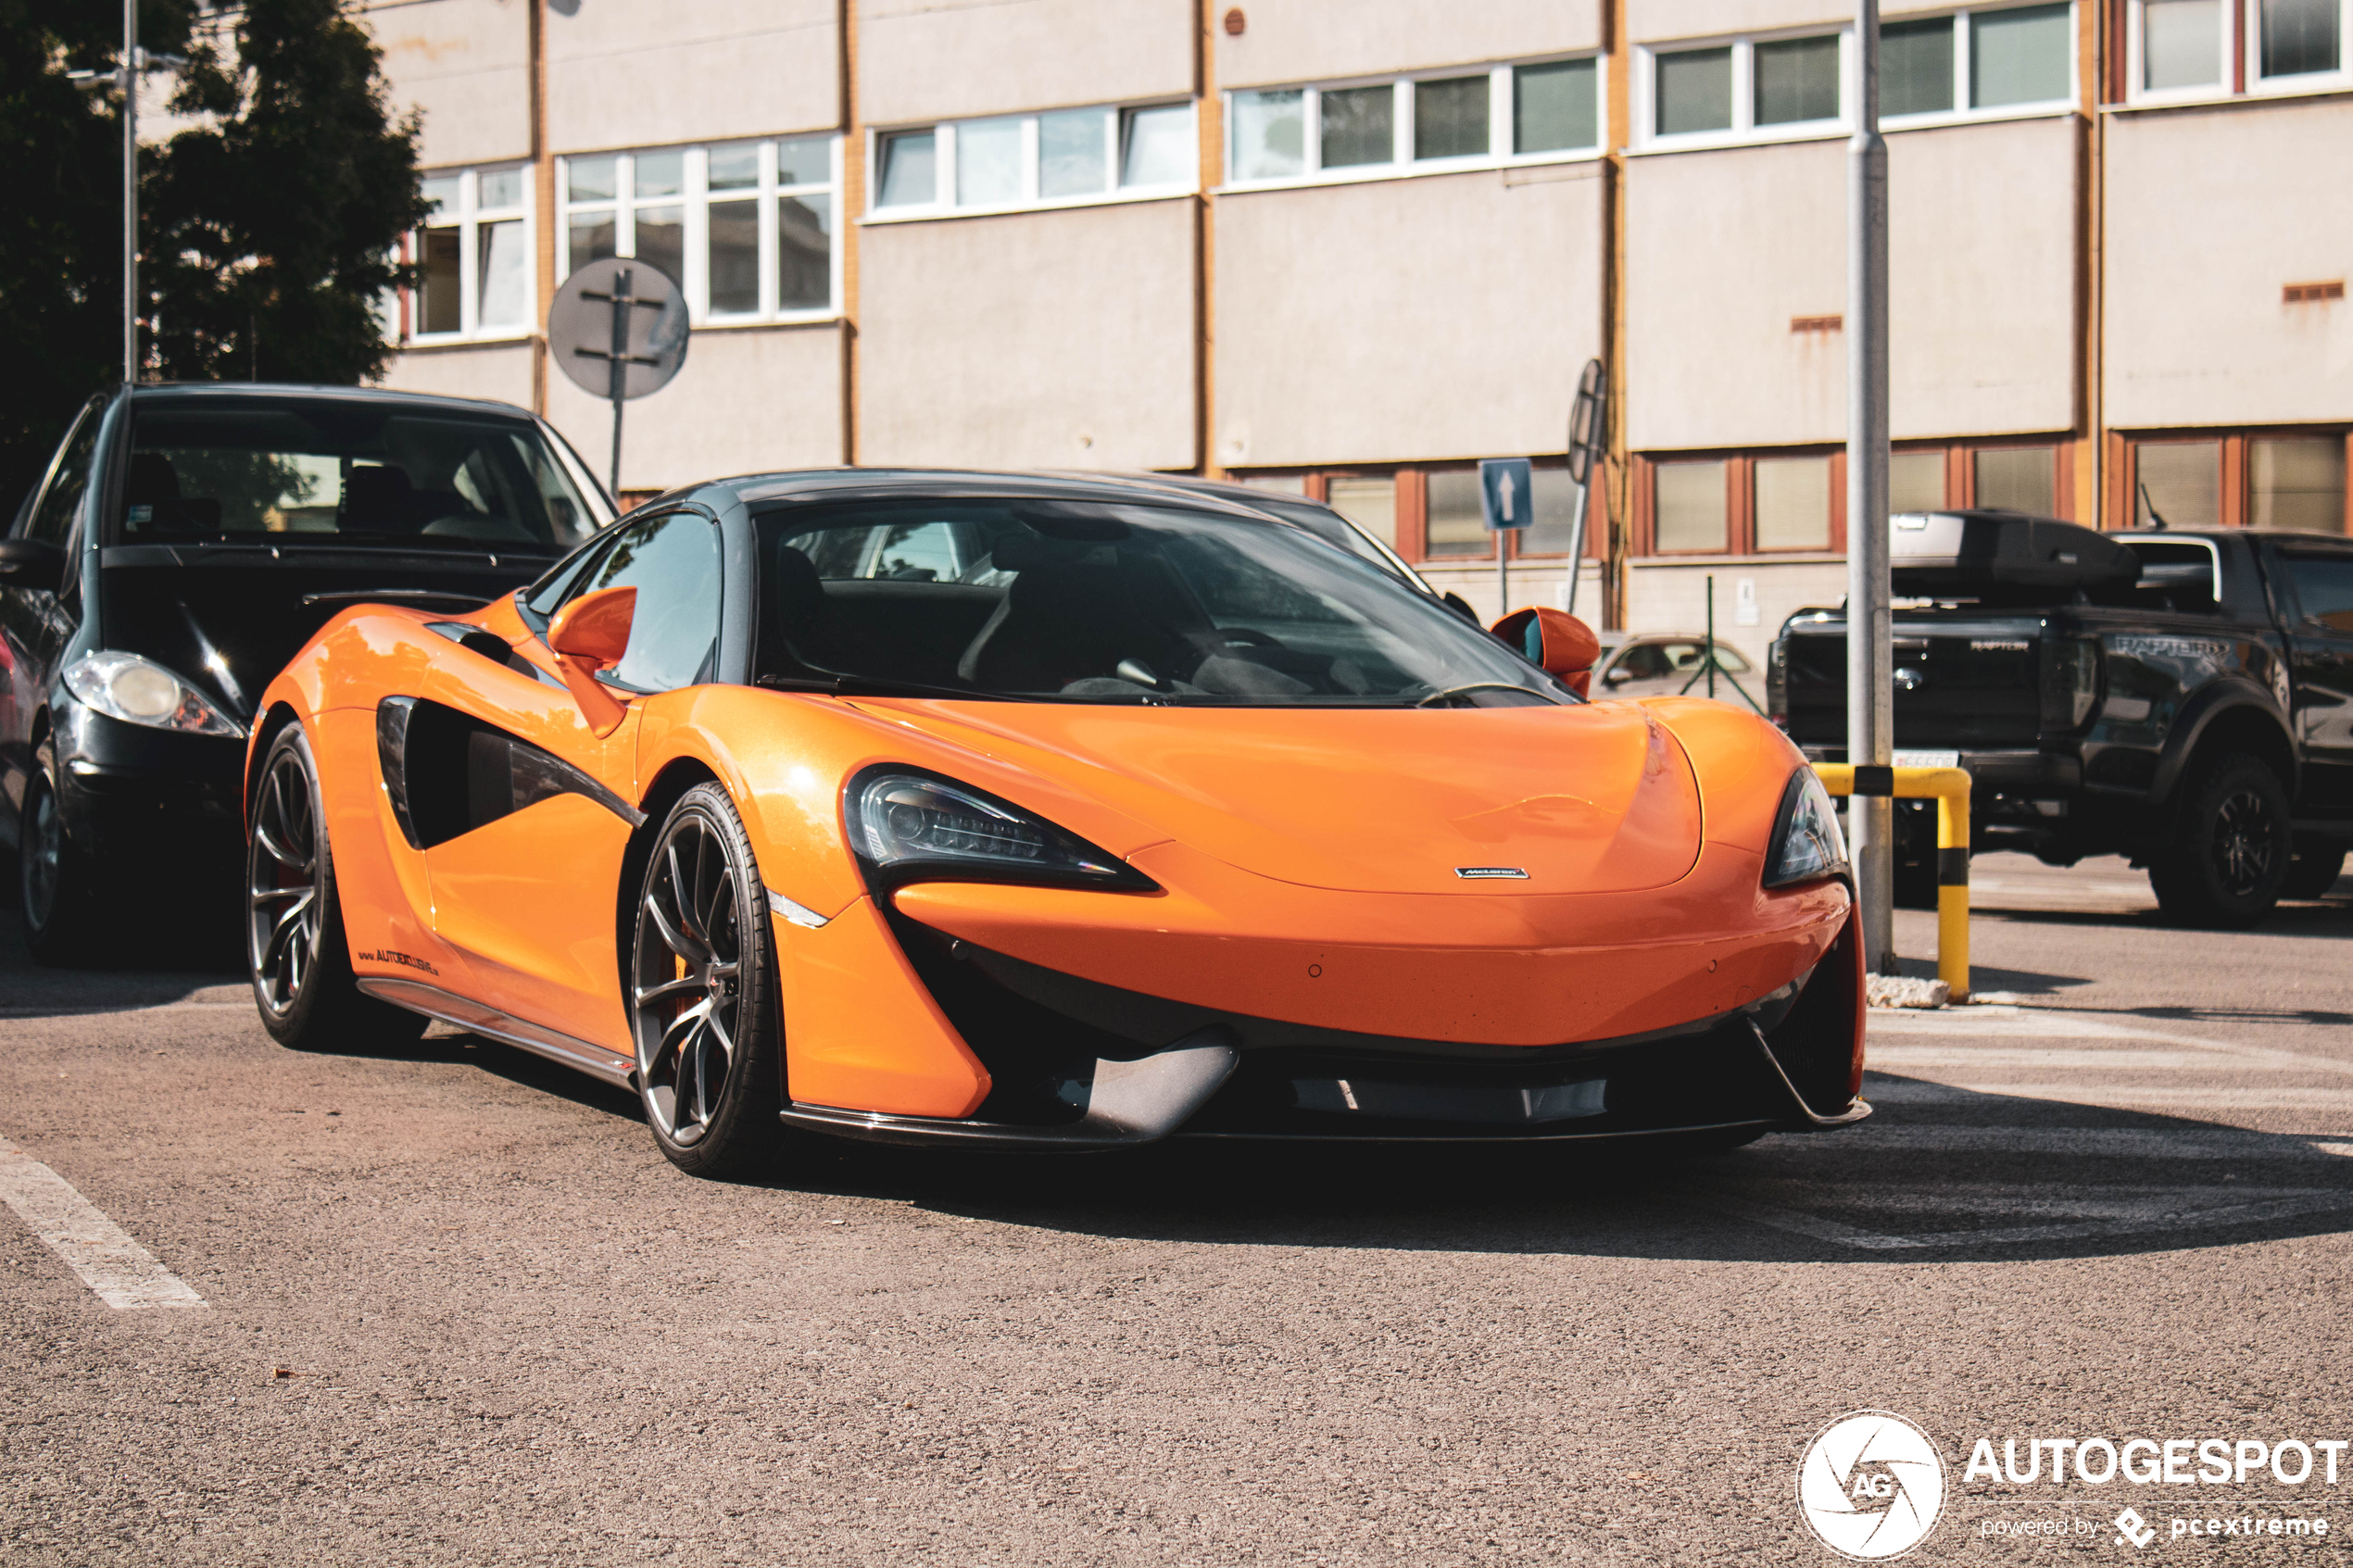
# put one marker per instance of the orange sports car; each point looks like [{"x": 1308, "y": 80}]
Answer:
[{"x": 1007, "y": 809}]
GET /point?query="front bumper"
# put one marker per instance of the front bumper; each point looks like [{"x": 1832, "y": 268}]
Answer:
[
  {"x": 1074, "y": 1063},
  {"x": 153, "y": 801}
]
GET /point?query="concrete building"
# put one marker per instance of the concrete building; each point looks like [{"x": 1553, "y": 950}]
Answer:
[{"x": 1350, "y": 247}]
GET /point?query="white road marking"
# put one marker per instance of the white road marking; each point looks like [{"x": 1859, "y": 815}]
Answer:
[
  {"x": 122, "y": 1273},
  {"x": 2109, "y": 1142},
  {"x": 2033, "y": 1023},
  {"x": 2113, "y": 1058}
]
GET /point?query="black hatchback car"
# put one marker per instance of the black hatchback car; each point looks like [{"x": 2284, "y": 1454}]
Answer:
[{"x": 184, "y": 543}]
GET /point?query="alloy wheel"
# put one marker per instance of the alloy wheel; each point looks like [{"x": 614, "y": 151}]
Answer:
[
  {"x": 687, "y": 989},
  {"x": 2245, "y": 842},
  {"x": 282, "y": 886}
]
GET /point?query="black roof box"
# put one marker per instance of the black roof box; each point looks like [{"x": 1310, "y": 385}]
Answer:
[{"x": 2000, "y": 557}]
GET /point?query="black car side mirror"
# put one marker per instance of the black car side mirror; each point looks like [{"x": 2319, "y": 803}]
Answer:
[{"x": 32, "y": 563}]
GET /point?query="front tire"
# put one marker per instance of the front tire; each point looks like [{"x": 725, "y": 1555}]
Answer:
[
  {"x": 2227, "y": 864},
  {"x": 703, "y": 1002},
  {"x": 296, "y": 951},
  {"x": 58, "y": 890}
]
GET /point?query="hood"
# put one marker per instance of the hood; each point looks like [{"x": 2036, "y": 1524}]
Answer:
[
  {"x": 229, "y": 617},
  {"x": 1590, "y": 799}
]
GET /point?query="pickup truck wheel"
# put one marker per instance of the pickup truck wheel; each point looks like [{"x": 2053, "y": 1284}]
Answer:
[
  {"x": 2313, "y": 872},
  {"x": 2228, "y": 865}
]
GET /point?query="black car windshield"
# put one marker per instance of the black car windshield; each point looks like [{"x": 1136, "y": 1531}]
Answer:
[
  {"x": 1082, "y": 601},
  {"x": 344, "y": 470}
]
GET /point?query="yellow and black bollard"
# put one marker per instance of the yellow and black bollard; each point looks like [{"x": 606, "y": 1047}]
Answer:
[{"x": 1949, "y": 788}]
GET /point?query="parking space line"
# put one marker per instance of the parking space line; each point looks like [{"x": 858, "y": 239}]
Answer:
[
  {"x": 2116, "y": 1097},
  {"x": 2037, "y": 1023},
  {"x": 2106, "y": 1058},
  {"x": 123, "y": 1274},
  {"x": 2157, "y": 1212}
]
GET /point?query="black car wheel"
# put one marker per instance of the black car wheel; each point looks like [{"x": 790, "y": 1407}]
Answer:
[
  {"x": 2229, "y": 862},
  {"x": 56, "y": 882},
  {"x": 296, "y": 951},
  {"x": 2313, "y": 872},
  {"x": 703, "y": 993}
]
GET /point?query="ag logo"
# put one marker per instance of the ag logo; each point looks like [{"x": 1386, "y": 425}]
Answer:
[{"x": 1870, "y": 1485}]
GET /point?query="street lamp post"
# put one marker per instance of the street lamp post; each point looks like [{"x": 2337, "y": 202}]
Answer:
[
  {"x": 126, "y": 77},
  {"x": 1870, "y": 697}
]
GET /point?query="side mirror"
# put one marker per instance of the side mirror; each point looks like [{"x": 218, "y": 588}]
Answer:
[
  {"x": 1558, "y": 641},
  {"x": 32, "y": 563},
  {"x": 588, "y": 634},
  {"x": 1617, "y": 677}
]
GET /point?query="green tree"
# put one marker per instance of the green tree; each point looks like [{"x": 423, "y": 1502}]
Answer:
[
  {"x": 271, "y": 226},
  {"x": 268, "y": 228},
  {"x": 60, "y": 251}
]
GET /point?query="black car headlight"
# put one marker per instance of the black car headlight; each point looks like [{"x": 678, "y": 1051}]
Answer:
[
  {"x": 140, "y": 691},
  {"x": 1806, "y": 845},
  {"x": 909, "y": 826}
]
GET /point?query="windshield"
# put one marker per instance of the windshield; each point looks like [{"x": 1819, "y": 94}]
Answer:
[
  {"x": 1104, "y": 602},
  {"x": 360, "y": 472}
]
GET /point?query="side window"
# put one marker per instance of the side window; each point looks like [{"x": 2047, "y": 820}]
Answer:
[
  {"x": 52, "y": 519},
  {"x": 672, "y": 561},
  {"x": 2323, "y": 588}
]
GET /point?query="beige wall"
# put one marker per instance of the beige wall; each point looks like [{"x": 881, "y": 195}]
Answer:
[
  {"x": 1044, "y": 339},
  {"x": 466, "y": 64},
  {"x": 624, "y": 73},
  {"x": 1725, "y": 248},
  {"x": 501, "y": 371},
  {"x": 1437, "y": 317},
  {"x": 748, "y": 399},
  {"x": 1289, "y": 41},
  {"x": 944, "y": 59},
  {"x": 2209, "y": 213}
]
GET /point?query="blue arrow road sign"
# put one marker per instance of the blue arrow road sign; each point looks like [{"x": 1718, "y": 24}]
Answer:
[{"x": 1507, "y": 486}]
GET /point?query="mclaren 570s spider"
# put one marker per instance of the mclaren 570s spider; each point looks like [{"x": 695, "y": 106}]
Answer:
[{"x": 1026, "y": 810}]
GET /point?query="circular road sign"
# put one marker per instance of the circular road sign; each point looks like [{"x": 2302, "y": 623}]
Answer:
[{"x": 621, "y": 309}]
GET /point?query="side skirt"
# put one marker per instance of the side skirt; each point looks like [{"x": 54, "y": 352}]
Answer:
[{"x": 449, "y": 1008}]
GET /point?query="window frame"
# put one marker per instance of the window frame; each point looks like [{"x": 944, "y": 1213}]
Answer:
[
  {"x": 2136, "y": 90},
  {"x": 1739, "y": 502},
  {"x": 2249, "y": 67},
  {"x": 1964, "y": 49},
  {"x": 1743, "y": 131},
  {"x": 944, "y": 134},
  {"x": 2236, "y": 481},
  {"x": 696, "y": 199},
  {"x": 471, "y": 215},
  {"x": 1502, "y": 100}
]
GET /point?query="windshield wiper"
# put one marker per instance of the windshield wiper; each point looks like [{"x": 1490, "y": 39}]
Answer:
[{"x": 875, "y": 685}]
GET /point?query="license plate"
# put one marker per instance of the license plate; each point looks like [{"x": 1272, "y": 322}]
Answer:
[{"x": 1928, "y": 759}]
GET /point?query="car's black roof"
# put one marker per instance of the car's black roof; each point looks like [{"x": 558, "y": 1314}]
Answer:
[{"x": 236, "y": 392}]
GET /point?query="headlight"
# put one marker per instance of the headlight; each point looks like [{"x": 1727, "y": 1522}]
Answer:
[
  {"x": 139, "y": 691},
  {"x": 1806, "y": 843},
  {"x": 906, "y": 826}
]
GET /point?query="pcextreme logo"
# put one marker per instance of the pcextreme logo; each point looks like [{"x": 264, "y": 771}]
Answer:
[{"x": 1870, "y": 1485}]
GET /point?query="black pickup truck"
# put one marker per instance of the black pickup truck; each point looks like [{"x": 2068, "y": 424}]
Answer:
[{"x": 2182, "y": 697}]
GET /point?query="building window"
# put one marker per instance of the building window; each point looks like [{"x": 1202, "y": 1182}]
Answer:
[
  {"x": 1454, "y": 515},
  {"x": 2193, "y": 49},
  {"x": 2292, "y": 479},
  {"x": 1792, "y": 503},
  {"x": 1368, "y": 502},
  {"x": 1916, "y": 482},
  {"x": 1689, "y": 514},
  {"x": 1070, "y": 157},
  {"x": 2296, "y": 41},
  {"x": 2184, "y": 45},
  {"x": 474, "y": 257},
  {"x": 746, "y": 229},
  {"x": 1748, "y": 90},
  {"x": 2020, "y": 479},
  {"x": 2178, "y": 484},
  {"x": 1438, "y": 123}
]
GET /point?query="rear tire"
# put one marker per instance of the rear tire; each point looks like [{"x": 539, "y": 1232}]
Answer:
[
  {"x": 296, "y": 954},
  {"x": 2229, "y": 861},
  {"x": 57, "y": 883},
  {"x": 2313, "y": 872},
  {"x": 703, "y": 997}
]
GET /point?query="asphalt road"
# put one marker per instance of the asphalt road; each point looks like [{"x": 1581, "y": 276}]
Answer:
[{"x": 457, "y": 1309}]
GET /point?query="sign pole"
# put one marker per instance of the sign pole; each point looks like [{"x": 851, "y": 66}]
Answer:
[
  {"x": 130, "y": 192},
  {"x": 1870, "y": 697},
  {"x": 1576, "y": 541},
  {"x": 619, "y": 366},
  {"x": 1502, "y": 576}
]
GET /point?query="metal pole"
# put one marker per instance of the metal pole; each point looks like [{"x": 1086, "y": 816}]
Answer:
[
  {"x": 1711, "y": 637},
  {"x": 130, "y": 191},
  {"x": 1577, "y": 541},
  {"x": 1502, "y": 575},
  {"x": 619, "y": 367},
  {"x": 1869, "y": 624}
]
